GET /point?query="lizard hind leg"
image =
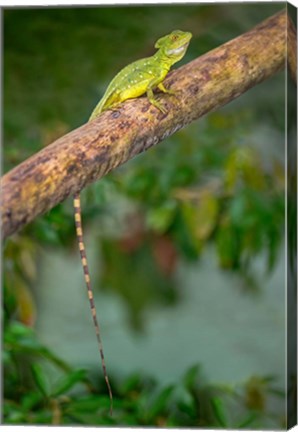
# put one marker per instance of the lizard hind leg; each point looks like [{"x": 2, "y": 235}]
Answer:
[
  {"x": 106, "y": 103},
  {"x": 163, "y": 89}
]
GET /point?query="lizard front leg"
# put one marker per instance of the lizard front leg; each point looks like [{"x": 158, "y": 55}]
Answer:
[
  {"x": 152, "y": 99},
  {"x": 155, "y": 102}
]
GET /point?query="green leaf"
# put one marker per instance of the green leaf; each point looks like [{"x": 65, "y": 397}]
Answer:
[
  {"x": 184, "y": 175},
  {"x": 19, "y": 338},
  {"x": 18, "y": 330},
  {"x": 248, "y": 420},
  {"x": 219, "y": 412},
  {"x": 228, "y": 245},
  {"x": 68, "y": 381},
  {"x": 243, "y": 167},
  {"x": 13, "y": 414},
  {"x": 185, "y": 231},
  {"x": 40, "y": 379},
  {"x": 131, "y": 383},
  {"x": 191, "y": 376},
  {"x": 160, "y": 218},
  {"x": 161, "y": 402},
  {"x": 30, "y": 399},
  {"x": 238, "y": 209},
  {"x": 141, "y": 184},
  {"x": 186, "y": 401},
  {"x": 89, "y": 404},
  {"x": 206, "y": 216}
]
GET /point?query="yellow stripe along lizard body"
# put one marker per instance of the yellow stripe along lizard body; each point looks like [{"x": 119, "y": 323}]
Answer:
[{"x": 139, "y": 77}]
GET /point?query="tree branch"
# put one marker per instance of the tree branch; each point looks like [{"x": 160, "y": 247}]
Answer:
[{"x": 89, "y": 152}]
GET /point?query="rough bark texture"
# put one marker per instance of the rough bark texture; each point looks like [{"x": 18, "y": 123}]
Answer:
[{"x": 89, "y": 152}]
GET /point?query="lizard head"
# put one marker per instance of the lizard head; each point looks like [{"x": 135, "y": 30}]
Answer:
[{"x": 174, "y": 45}]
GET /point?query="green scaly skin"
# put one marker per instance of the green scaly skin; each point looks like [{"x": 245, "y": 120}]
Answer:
[
  {"x": 142, "y": 76},
  {"x": 134, "y": 80}
]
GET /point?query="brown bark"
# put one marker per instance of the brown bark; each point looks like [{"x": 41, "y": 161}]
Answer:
[{"x": 89, "y": 152}]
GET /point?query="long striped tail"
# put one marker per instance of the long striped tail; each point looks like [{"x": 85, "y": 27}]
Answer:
[{"x": 79, "y": 231}]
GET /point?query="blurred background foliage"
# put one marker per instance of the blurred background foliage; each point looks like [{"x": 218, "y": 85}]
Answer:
[
  {"x": 76, "y": 397},
  {"x": 215, "y": 182}
]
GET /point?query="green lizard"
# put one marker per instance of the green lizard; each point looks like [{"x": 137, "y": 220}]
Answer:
[
  {"x": 142, "y": 76},
  {"x": 139, "y": 77}
]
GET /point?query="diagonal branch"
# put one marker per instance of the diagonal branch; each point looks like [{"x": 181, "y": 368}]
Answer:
[{"x": 89, "y": 152}]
